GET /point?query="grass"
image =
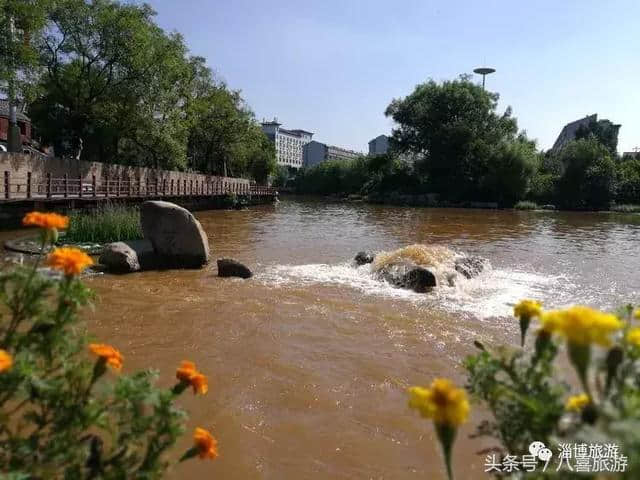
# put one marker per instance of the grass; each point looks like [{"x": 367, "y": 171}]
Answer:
[
  {"x": 110, "y": 223},
  {"x": 626, "y": 208},
  {"x": 526, "y": 205}
]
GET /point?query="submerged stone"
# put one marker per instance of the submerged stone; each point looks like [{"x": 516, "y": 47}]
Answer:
[{"x": 228, "y": 267}]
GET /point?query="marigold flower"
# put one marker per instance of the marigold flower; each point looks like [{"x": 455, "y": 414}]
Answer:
[
  {"x": 45, "y": 220},
  {"x": 633, "y": 336},
  {"x": 110, "y": 354},
  {"x": 6, "y": 360},
  {"x": 581, "y": 325},
  {"x": 527, "y": 308},
  {"x": 205, "y": 443},
  {"x": 72, "y": 261},
  {"x": 575, "y": 403},
  {"x": 442, "y": 402},
  {"x": 188, "y": 374}
]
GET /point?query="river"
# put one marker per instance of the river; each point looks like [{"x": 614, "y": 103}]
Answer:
[{"x": 309, "y": 360}]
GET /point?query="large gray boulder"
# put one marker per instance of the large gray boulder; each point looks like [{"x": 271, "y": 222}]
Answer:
[
  {"x": 410, "y": 276},
  {"x": 177, "y": 237},
  {"x": 228, "y": 267},
  {"x": 127, "y": 257}
]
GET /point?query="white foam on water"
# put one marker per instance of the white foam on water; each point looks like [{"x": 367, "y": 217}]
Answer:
[{"x": 491, "y": 294}]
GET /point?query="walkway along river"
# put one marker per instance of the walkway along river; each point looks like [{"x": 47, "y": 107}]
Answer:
[{"x": 309, "y": 360}]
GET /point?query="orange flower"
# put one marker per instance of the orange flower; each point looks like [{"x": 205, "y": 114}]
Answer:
[
  {"x": 45, "y": 220},
  {"x": 72, "y": 261},
  {"x": 199, "y": 383},
  {"x": 188, "y": 374},
  {"x": 5, "y": 360},
  {"x": 205, "y": 443},
  {"x": 111, "y": 355},
  {"x": 186, "y": 371}
]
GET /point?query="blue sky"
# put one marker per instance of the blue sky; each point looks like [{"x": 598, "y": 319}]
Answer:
[{"x": 332, "y": 67}]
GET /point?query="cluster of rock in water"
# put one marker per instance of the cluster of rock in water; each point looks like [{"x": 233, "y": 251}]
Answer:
[
  {"x": 405, "y": 274},
  {"x": 173, "y": 238}
]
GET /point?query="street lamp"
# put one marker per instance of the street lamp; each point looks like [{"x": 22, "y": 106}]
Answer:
[{"x": 484, "y": 71}]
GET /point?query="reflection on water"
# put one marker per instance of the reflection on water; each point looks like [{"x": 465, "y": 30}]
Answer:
[{"x": 309, "y": 360}]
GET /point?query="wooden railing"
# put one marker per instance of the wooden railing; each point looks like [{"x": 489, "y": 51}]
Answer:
[{"x": 28, "y": 187}]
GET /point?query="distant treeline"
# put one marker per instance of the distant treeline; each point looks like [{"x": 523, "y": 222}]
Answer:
[
  {"x": 103, "y": 81},
  {"x": 451, "y": 141}
]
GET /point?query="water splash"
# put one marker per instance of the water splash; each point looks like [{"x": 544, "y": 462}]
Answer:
[
  {"x": 491, "y": 294},
  {"x": 422, "y": 255}
]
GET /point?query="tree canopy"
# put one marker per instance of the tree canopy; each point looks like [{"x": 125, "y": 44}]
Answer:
[
  {"x": 114, "y": 87},
  {"x": 454, "y": 129}
]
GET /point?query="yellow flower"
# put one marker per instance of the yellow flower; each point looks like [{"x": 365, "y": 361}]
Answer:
[
  {"x": 5, "y": 360},
  {"x": 442, "y": 402},
  {"x": 45, "y": 220},
  {"x": 188, "y": 374},
  {"x": 636, "y": 314},
  {"x": 72, "y": 261},
  {"x": 527, "y": 308},
  {"x": 575, "y": 403},
  {"x": 633, "y": 336},
  {"x": 581, "y": 325},
  {"x": 206, "y": 445},
  {"x": 111, "y": 355}
]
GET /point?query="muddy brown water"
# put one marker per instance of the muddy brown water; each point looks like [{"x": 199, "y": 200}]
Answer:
[{"x": 309, "y": 360}]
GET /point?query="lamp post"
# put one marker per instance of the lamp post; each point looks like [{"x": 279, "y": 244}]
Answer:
[{"x": 484, "y": 71}]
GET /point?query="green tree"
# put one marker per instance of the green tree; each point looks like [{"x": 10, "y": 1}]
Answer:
[
  {"x": 509, "y": 172},
  {"x": 604, "y": 131},
  {"x": 628, "y": 174},
  {"x": 588, "y": 179},
  {"x": 21, "y": 23},
  {"x": 453, "y": 127},
  {"x": 112, "y": 85}
]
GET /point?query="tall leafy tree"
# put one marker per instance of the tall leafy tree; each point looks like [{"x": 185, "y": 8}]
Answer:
[
  {"x": 604, "y": 131},
  {"x": 111, "y": 84},
  {"x": 589, "y": 176},
  {"x": 453, "y": 128},
  {"x": 21, "y": 22}
]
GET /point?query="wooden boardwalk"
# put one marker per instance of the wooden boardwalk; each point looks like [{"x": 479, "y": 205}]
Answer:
[{"x": 27, "y": 188}]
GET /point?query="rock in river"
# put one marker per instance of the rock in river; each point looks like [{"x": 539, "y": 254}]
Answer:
[
  {"x": 126, "y": 257},
  {"x": 228, "y": 267},
  {"x": 177, "y": 237},
  {"x": 364, "y": 257},
  {"x": 470, "y": 266},
  {"x": 406, "y": 275}
]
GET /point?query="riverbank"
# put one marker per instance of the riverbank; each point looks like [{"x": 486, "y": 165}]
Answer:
[{"x": 432, "y": 201}]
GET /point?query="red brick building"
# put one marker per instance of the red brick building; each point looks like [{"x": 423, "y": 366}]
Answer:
[{"x": 24, "y": 123}]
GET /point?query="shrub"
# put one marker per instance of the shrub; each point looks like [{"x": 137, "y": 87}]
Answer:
[
  {"x": 106, "y": 224},
  {"x": 589, "y": 176},
  {"x": 525, "y": 205},
  {"x": 626, "y": 208},
  {"x": 525, "y": 391},
  {"x": 509, "y": 171},
  {"x": 628, "y": 181},
  {"x": 65, "y": 411}
]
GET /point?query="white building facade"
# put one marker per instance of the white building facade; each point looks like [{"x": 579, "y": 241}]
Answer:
[{"x": 289, "y": 143}]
